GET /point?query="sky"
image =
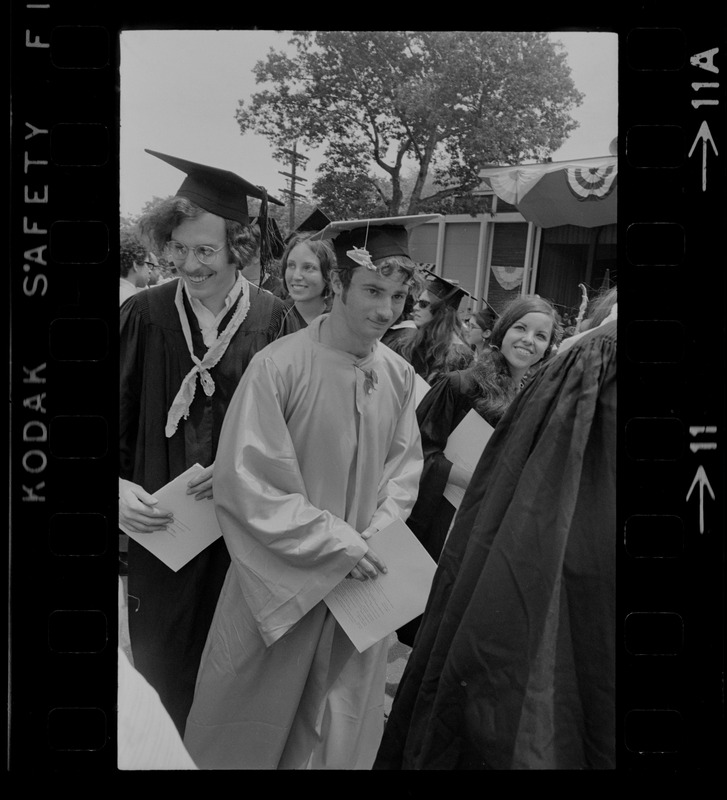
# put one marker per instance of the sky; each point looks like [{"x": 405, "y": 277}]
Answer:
[{"x": 184, "y": 105}]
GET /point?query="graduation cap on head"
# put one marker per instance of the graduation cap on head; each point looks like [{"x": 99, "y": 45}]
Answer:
[
  {"x": 361, "y": 241},
  {"x": 224, "y": 193},
  {"x": 449, "y": 293},
  {"x": 468, "y": 294},
  {"x": 315, "y": 221},
  {"x": 218, "y": 191}
]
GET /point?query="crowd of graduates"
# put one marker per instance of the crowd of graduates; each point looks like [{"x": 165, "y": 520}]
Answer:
[{"x": 290, "y": 370}]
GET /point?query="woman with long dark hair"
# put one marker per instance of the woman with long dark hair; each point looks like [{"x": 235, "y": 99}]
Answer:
[
  {"x": 437, "y": 345},
  {"x": 525, "y": 335},
  {"x": 306, "y": 267}
]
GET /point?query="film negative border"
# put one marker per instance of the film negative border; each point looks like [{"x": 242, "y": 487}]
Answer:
[
  {"x": 671, "y": 397},
  {"x": 64, "y": 367},
  {"x": 63, "y": 294}
]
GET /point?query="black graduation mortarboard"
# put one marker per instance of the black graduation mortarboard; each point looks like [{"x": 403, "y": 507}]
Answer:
[
  {"x": 216, "y": 190},
  {"x": 449, "y": 293},
  {"x": 382, "y": 237},
  {"x": 315, "y": 221}
]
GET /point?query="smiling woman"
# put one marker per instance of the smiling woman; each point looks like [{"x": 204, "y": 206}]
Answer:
[{"x": 306, "y": 267}]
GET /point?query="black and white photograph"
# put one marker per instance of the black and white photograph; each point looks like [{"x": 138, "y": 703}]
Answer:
[
  {"x": 474, "y": 177},
  {"x": 351, "y": 474}
]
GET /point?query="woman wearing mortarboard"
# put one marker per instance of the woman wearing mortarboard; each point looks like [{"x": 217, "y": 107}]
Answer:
[
  {"x": 437, "y": 344},
  {"x": 184, "y": 347}
]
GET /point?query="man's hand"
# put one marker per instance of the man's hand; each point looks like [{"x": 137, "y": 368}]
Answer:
[
  {"x": 137, "y": 509},
  {"x": 368, "y": 567},
  {"x": 201, "y": 485}
]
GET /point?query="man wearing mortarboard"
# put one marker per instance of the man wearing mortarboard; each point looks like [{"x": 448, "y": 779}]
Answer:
[
  {"x": 326, "y": 421},
  {"x": 184, "y": 347}
]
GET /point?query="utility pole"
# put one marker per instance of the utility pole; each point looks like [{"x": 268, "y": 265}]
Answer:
[{"x": 293, "y": 179}]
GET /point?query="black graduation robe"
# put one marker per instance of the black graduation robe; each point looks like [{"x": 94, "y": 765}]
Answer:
[
  {"x": 292, "y": 312},
  {"x": 440, "y": 411},
  {"x": 514, "y": 663},
  {"x": 170, "y": 612}
]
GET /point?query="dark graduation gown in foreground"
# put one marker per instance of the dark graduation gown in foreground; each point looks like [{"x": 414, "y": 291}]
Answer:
[
  {"x": 514, "y": 664},
  {"x": 170, "y": 612}
]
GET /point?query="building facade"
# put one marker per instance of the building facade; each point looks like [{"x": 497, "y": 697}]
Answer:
[{"x": 560, "y": 236}]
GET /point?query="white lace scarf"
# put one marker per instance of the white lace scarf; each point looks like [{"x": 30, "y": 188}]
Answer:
[{"x": 183, "y": 400}]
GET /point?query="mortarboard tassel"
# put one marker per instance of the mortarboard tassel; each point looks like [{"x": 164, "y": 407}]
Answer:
[{"x": 266, "y": 255}]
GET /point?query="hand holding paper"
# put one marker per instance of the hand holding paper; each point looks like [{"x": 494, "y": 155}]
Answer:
[
  {"x": 192, "y": 528},
  {"x": 370, "y": 566},
  {"x": 139, "y": 510},
  {"x": 370, "y": 610},
  {"x": 200, "y": 484}
]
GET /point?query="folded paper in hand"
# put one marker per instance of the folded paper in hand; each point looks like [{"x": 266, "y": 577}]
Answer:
[
  {"x": 193, "y": 528},
  {"x": 370, "y": 610}
]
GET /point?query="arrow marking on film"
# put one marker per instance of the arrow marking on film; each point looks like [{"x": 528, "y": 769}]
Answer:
[
  {"x": 706, "y": 136},
  {"x": 701, "y": 479}
]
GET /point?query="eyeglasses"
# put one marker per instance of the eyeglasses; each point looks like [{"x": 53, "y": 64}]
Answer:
[
  {"x": 151, "y": 264},
  {"x": 423, "y": 303},
  {"x": 203, "y": 252}
]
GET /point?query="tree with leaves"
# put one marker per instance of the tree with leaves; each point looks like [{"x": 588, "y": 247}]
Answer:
[{"x": 381, "y": 102}]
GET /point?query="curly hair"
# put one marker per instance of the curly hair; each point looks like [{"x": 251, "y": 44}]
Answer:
[
  {"x": 389, "y": 267},
  {"x": 491, "y": 373},
  {"x": 243, "y": 241},
  {"x": 323, "y": 251},
  {"x": 132, "y": 251}
]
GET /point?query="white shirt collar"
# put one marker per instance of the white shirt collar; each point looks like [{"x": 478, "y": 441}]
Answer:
[{"x": 209, "y": 322}]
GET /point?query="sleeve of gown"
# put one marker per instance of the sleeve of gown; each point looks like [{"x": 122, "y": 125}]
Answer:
[
  {"x": 436, "y": 415},
  {"x": 287, "y": 553},
  {"x": 130, "y": 345},
  {"x": 402, "y": 472}
]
